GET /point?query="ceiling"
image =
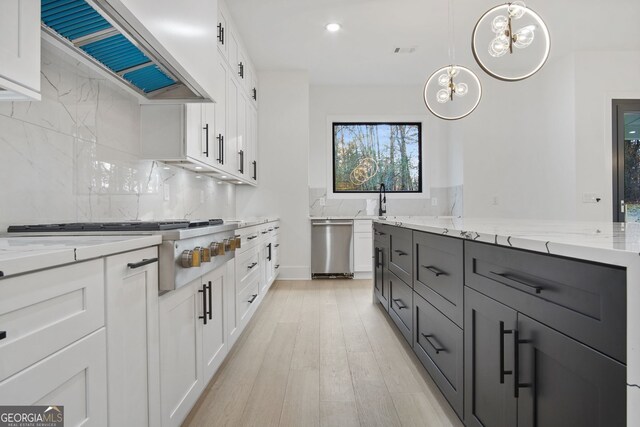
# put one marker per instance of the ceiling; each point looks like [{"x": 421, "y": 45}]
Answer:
[{"x": 290, "y": 34}]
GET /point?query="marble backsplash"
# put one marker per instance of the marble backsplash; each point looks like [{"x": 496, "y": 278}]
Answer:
[
  {"x": 449, "y": 203},
  {"x": 75, "y": 156}
]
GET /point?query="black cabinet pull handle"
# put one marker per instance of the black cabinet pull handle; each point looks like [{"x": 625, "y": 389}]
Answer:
[
  {"x": 252, "y": 237},
  {"x": 378, "y": 260},
  {"x": 142, "y": 263},
  {"x": 437, "y": 348},
  {"x": 206, "y": 137},
  {"x": 380, "y": 233},
  {"x": 264, "y": 232},
  {"x": 210, "y": 301},
  {"x": 400, "y": 307},
  {"x": 517, "y": 385},
  {"x": 220, "y": 139},
  {"x": 276, "y": 228},
  {"x": 241, "y": 153},
  {"x": 255, "y": 170},
  {"x": 255, "y": 94},
  {"x": 269, "y": 247},
  {"x": 253, "y": 298},
  {"x": 434, "y": 270},
  {"x": 400, "y": 253},
  {"x": 277, "y": 245},
  {"x": 3, "y": 335},
  {"x": 241, "y": 70},
  {"x": 220, "y": 32},
  {"x": 250, "y": 266},
  {"x": 203, "y": 291},
  {"x": 503, "y": 332},
  {"x": 277, "y": 266},
  {"x": 536, "y": 289}
]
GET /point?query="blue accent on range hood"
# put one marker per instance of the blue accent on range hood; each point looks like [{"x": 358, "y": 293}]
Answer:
[{"x": 87, "y": 30}]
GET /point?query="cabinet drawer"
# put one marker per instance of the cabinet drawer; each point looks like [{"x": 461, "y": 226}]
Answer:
[
  {"x": 249, "y": 238},
  {"x": 439, "y": 346},
  {"x": 247, "y": 264},
  {"x": 439, "y": 273},
  {"x": 381, "y": 234},
  {"x": 583, "y": 300},
  {"x": 401, "y": 305},
  {"x": 362, "y": 226},
  {"x": 401, "y": 254},
  {"x": 75, "y": 377},
  {"x": 46, "y": 311},
  {"x": 247, "y": 299}
]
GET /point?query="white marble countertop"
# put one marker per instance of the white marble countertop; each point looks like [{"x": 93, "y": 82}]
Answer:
[
  {"x": 249, "y": 222},
  {"x": 23, "y": 254}
]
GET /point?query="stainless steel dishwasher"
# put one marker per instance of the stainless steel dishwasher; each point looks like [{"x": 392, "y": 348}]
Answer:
[{"x": 331, "y": 249}]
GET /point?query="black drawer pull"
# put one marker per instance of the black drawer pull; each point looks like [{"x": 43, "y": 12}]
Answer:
[
  {"x": 503, "y": 332},
  {"x": 3, "y": 335},
  {"x": 253, "y": 264},
  {"x": 210, "y": 301},
  {"x": 203, "y": 291},
  {"x": 264, "y": 232},
  {"x": 252, "y": 237},
  {"x": 434, "y": 270},
  {"x": 437, "y": 348},
  {"x": 141, "y": 263},
  {"x": 537, "y": 289},
  {"x": 277, "y": 266},
  {"x": 400, "y": 307},
  {"x": 253, "y": 298},
  {"x": 400, "y": 253},
  {"x": 380, "y": 233},
  {"x": 517, "y": 385},
  {"x": 277, "y": 245}
]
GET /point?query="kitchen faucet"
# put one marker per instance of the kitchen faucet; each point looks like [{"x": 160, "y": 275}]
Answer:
[{"x": 383, "y": 199}]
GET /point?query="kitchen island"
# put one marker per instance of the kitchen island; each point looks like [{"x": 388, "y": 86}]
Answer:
[{"x": 577, "y": 280}]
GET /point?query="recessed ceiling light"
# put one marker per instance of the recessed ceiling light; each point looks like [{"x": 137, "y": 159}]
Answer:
[
  {"x": 223, "y": 176},
  {"x": 239, "y": 182},
  {"x": 166, "y": 168},
  {"x": 198, "y": 176},
  {"x": 219, "y": 182},
  {"x": 333, "y": 27},
  {"x": 198, "y": 167}
]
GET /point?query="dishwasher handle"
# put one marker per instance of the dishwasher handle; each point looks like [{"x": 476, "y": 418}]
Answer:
[{"x": 328, "y": 224}]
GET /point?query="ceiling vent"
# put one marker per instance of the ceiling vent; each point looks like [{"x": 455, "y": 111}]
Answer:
[
  {"x": 404, "y": 49},
  {"x": 93, "y": 30}
]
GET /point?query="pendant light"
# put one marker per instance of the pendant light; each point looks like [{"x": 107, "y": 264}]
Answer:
[
  {"x": 453, "y": 91},
  {"x": 511, "y": 42}
]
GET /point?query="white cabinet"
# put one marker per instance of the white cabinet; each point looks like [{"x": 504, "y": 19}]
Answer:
[
  {"x": 220, "y": 132},
  {"x": 242, "y": 147},
  {"x": 222, "y": 34},
  {"x": 214, "y": 337},
  {"x": 45, "y": 311},
  {"x": 185, "y": 34},
  {"x": 362, "y": 246},
  {"x": 231, "y": 155},
  {"x": 132, "y": 338},
  {"x": 19, "y": 50},
  {"x": 74, "y": 377},
  {"x": 183, "y": 134},
  {"x": 193, "y": 342},
  {"x": 252, "y": 143}
]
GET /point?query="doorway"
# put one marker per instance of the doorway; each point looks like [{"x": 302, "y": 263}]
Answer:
[{"x": 626, "y": 160}]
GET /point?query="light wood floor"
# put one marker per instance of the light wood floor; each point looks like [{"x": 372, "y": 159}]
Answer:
[{"x": 320, "y": 353}]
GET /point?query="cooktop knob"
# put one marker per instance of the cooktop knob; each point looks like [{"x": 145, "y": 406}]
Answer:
[
  {"x": 238, "y": 241},
  {"x": 190, "y": 258},
  {"x": 205, "y": 254},
  {"x": 217, "y": 248}
]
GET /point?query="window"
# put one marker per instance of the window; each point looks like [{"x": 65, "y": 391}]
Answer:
[{"x": 367, "y": 154}]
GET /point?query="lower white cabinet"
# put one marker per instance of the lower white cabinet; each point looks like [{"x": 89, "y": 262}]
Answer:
[
  {"x": 192, "y": 343},
  {"x": 74, "y": 377},
  {"x": 362, "y": 246},
  {"x": 132, "y": 338}
]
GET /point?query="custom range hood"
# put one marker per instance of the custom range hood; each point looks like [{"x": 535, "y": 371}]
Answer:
[{"x": 95, "y": 31}]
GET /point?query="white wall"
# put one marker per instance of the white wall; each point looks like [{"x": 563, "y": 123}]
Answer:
[
  {"x": 283, "y": 167},
  {"x": 600, "y": 77},
  {"x": 519, "y": 147},
  {"x": 442, "y": 158},
  {"x": 75, "y": 156}
]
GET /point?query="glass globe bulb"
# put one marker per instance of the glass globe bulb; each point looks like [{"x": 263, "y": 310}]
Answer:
[
  {"x": 443, "y": 80},
  {"x": 462, "y": 89},
  {"x": 499, "y": 24},
  {"x": 517, "y": 9},
  {"x": 524, "y": 36},
  {"x": 453, "y": 71},
  {"x": 498, "y": 47},
  {"x": 443, "y": 96}
]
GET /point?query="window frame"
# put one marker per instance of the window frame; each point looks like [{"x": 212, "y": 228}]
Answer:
[{"x": 418, "y": 123}]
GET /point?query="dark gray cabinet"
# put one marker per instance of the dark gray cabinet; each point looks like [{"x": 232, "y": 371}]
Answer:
[
  {"x": 401, "y": 253},
  {"x": 488, "y": 361},
  {"x": 401, "y": 306},
  {"x": 381, "y": 265},
  {"x": 519, "y": 372}
]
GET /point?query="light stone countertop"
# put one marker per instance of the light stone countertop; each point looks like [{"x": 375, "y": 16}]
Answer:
[
  {"x": 603, "y": 242},
  {"x": 23, "y": 254},
  {"x": 249, "y": 222}
]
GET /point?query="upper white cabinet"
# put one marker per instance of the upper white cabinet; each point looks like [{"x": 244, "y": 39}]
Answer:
[
  {"x": 19, "y": 50},
  {"x": 185, "y": 31}
]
